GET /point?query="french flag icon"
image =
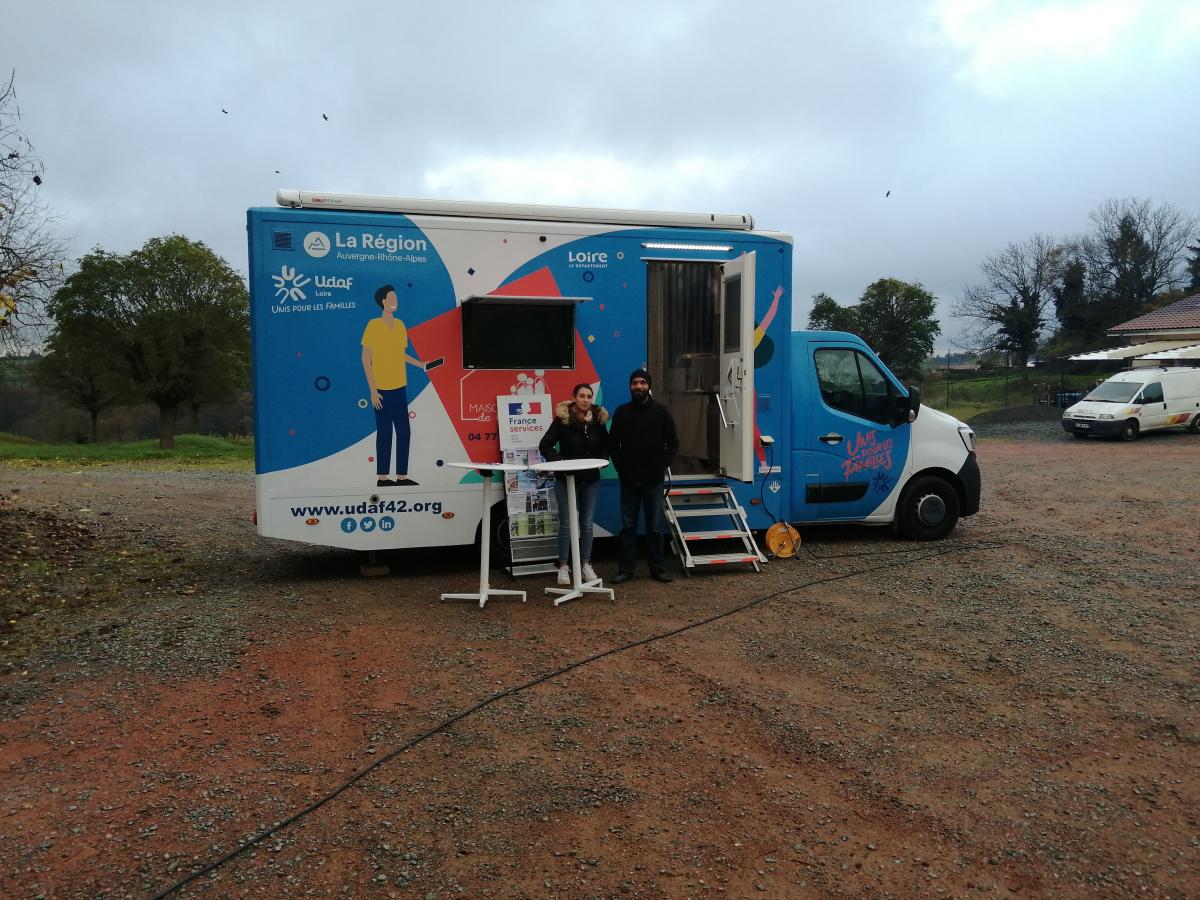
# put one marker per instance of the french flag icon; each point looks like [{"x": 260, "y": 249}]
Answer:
[{"x": 525, "y": 409}]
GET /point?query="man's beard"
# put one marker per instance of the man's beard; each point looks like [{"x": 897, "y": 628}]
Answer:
[{"x": 640, "y": 396}]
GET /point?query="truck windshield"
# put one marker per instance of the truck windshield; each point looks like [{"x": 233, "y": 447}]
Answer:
[{"x": 1115, "y": 392}]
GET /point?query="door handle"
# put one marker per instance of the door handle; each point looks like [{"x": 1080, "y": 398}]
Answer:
[
  {"x": 832, "y": 438},
  {"x": 726, "y": 421}
]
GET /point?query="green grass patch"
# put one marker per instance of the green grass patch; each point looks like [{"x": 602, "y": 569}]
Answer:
[
  {"x": 9, "y": 438},
  {"x": 968, "y": 397},
  {"x": 190, "y": 450}
]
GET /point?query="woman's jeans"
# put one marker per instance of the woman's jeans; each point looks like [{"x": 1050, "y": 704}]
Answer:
[{"x": 585, "y": 501}]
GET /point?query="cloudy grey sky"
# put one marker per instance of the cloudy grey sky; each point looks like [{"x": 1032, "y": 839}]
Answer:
[{"x": 987, "y": 121}]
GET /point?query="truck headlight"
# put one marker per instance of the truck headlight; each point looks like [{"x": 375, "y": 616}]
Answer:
[
  {"x": 1105, "y": 416},
  {"x": 968, "y": 438}
]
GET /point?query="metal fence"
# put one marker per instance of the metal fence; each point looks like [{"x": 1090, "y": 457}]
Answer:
[{"x": 1050, "y": 394}]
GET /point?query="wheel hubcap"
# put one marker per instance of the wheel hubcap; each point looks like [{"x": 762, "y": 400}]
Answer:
[{"x": 931, "y": 509}]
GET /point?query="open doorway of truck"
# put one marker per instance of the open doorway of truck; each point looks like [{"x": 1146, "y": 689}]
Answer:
[{"x": 683, "y": 336}]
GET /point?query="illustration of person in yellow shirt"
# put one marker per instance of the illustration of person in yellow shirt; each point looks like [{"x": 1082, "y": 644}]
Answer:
[{"x": 384, "y": 359}]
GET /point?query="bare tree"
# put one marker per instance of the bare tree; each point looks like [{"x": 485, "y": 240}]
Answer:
[
  {"x": 1008, "y": 310},
  {"x": 1135, "y": 251},
  {"x": 31, "y": 257}
]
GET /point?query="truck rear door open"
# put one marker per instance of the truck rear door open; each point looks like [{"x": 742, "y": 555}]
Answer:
[{"x": 735, "y": 392}]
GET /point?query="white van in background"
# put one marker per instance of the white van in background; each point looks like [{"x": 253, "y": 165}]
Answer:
[{"x": 1138, "y": 400}]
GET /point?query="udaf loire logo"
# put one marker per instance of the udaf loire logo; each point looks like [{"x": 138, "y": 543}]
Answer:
[
  {"x": 288, "y": 284},
  {"x": 316, "y": 244}
]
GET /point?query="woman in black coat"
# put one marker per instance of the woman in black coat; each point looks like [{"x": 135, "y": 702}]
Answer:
[{"x": 577, "y": 432}]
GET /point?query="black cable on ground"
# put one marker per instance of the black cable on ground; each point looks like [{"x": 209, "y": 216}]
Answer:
[
  {"x": 509, "y": 692},
  {"x": 792, "y": 535},
  {"x": 762, "y": 486},
  {"x": 915, "y": 549}
]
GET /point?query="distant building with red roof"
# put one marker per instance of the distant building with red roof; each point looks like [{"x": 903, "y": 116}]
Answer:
[
  {"x": 1180, "y": 318},
  {"x": 1167, "y": 336}
]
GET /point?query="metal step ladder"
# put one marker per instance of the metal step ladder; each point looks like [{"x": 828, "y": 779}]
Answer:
[{"x": 709, "y": 505}]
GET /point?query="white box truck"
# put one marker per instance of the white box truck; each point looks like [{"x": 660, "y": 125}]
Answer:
[
  {"x": 484, "y": 300},
  {"x": 1138, "y": 400}
]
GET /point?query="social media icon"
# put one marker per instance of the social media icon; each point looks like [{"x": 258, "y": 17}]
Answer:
[
  {"x": 349, "y": 525},
  {"x": 367, "y": 524}
]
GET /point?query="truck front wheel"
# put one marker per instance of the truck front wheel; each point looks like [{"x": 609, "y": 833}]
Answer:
[
  {"x": 928, "y": 509},
  {"x": 1129, "y": 431}
]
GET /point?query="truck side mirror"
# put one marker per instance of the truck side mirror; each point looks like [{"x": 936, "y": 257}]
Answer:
[
  {"x": 900, "y": 409},
  {"x": 914, "y": 402}
]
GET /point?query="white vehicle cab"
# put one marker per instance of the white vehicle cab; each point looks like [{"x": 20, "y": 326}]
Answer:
[{"x": 1138, "y": 400}]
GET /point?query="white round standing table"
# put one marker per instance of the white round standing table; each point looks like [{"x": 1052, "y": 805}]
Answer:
[
  {"x": 485, "y": 533},
  {"x": 579, "y": 587}
]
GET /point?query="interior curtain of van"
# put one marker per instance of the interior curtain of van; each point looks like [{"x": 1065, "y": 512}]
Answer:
[{"x": 683, "y": 342}]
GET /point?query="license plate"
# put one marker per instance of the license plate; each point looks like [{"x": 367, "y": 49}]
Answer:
[{"x": 1082, "y": 426}]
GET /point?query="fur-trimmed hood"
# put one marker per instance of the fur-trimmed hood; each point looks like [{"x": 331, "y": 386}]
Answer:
[{"x": 562, "y": 412}]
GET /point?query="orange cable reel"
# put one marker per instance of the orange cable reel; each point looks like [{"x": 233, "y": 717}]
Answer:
[{"x": 783, "y": 540}]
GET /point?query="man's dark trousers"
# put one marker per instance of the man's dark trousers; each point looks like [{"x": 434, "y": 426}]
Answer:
[{"x": 648, "y": 498}]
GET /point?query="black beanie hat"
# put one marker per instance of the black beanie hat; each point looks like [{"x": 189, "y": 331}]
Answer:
[{"x": 641, "y": 373}]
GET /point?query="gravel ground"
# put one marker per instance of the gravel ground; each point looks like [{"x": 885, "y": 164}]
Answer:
[
  {"x": 1012, "y": 711},
  {"x": 1029, "y": 413},
  {"x": 1051, "y": 432}
]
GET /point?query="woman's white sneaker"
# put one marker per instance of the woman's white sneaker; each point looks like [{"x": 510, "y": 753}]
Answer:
[
  {"x": 564, "y": 574},
  {"x": 589, "y": 574}
]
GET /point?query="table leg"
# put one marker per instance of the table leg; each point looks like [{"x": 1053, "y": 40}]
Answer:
[
  {"x": 485, "y": 541},
  {"x": 573, "y": 521},
  {"x": 485, "y": 538},
  {"x": 578, "y": 586}
]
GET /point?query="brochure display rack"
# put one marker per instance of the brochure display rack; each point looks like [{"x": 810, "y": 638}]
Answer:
[{"x": 522, "y": 419}]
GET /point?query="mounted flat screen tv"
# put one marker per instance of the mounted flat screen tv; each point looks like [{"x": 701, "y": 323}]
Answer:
[{"x": 518, "y": 333}]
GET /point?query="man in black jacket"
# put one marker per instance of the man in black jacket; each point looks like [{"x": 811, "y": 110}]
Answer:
[{"x": 643, "y": 442}]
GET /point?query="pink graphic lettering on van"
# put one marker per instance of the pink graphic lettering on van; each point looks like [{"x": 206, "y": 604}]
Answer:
[{"x": 866, "y": 451}]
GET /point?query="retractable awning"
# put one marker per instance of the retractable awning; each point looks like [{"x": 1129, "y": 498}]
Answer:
[
  {"x": 1132, "y": 351},
  {"x": 512, "y": 300},
  {"x": 1192, "y": 352}
]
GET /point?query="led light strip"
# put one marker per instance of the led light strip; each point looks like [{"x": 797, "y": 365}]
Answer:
[{"x": 660, "y": 245}]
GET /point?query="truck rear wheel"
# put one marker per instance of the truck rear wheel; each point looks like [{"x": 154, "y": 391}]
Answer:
[
  {"x": 1129, "y": 431},
  {"x": 928, "y": 509},
  {"x": 1194, "y": 428}
]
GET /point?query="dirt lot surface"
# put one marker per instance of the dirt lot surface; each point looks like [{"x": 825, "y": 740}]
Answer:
[{"x": 1012, "y": 711}]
